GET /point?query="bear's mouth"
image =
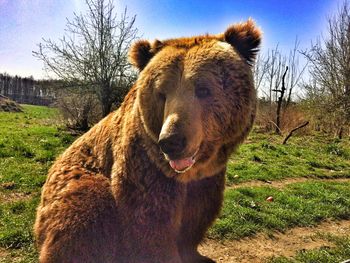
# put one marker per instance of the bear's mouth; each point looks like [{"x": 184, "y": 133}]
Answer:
[{"x": 183, "y": 165}]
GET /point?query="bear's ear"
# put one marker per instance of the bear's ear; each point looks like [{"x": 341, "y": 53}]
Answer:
[
  {"x": 245, "y": 38},
  {"x": 142, "y": 51}
]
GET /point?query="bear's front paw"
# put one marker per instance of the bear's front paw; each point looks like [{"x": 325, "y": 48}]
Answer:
[
  {"x": 204, "y": 259},
  {"x": 197, "y": 258}
]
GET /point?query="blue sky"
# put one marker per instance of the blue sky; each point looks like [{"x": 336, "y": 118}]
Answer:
[{"x": 23, "y": 23}]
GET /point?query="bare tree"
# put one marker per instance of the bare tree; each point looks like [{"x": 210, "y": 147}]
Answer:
[
  {"x": 329, "y": 62},
  {"x": 275, "y": 67},
  {"x": 277, "y": 75},
  {"x": 296, "y": 71},
  {"x": 292, "y": 75},
  {"x": 92, "y": 54},
  {"x": 260, "y": 69},
  {"x": 280, "y": 100}
]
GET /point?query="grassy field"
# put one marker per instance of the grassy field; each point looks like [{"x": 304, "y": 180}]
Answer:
[
  {"x": 263, "y": 157},
  {"x": 30, "y": 141}
]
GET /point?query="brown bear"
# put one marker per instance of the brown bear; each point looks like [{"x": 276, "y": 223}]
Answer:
[{"x": 147, "y": 181}]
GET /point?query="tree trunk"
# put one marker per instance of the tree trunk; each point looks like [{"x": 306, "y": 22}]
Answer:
[
  {"x": 340, "y": 133},
  {"x": 84, "y": 120},
  {"x": 106, "y": 107},
  {"x": 105, "y": 99},
  {"x": 279, "y": 103},
  {"x": 84, "y": 124}
]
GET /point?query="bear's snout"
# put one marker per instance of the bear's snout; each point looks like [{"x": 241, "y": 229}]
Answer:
[{"x": 173, "y": 144}]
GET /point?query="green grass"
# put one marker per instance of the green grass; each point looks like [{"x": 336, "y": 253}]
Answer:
[
  {"x": 246, "y": 211},
  {"x": 265, "y": 158},
  {"x": 340, "y": 252},
  {"x": 16, "y": 223},
  {"x": 30, "y": 141}
]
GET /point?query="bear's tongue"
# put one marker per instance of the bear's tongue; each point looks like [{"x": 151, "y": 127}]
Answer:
[{"x": 181, "y": 165}]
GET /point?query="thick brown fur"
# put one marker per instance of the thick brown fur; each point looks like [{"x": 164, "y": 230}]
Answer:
[{"x": 112, "y": 195}]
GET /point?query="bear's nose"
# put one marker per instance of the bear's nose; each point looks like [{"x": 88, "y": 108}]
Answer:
[{"x": 172, "y": 144}]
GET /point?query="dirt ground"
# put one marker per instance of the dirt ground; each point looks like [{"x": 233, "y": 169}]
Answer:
[{"x": 261, "y": 247}]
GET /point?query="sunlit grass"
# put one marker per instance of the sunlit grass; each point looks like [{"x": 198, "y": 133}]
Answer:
[
  {"x": 265, "y": 158},
  {"x": 29, "y": 143},
  {"x": 246, "y": 211}
]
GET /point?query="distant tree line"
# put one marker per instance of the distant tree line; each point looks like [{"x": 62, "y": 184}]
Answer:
[{"x": 27, "y": 90}]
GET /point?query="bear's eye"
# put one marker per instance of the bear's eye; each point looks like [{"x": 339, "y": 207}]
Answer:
[
  {"x": 161, "y": 96},
  {"x": 202, "y": 92}
]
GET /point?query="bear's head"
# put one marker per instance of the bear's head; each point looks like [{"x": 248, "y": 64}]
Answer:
[{"x": 196, "y": 97}]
